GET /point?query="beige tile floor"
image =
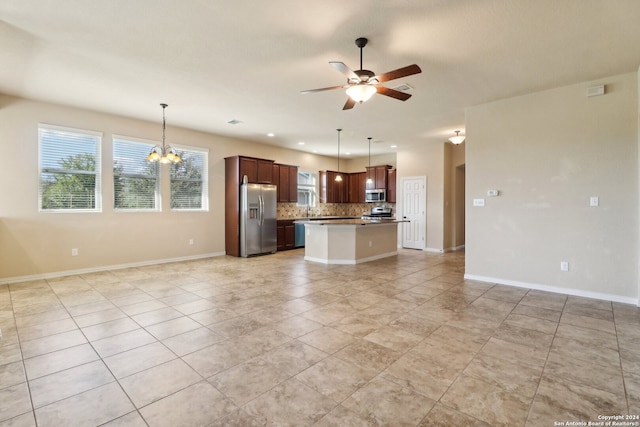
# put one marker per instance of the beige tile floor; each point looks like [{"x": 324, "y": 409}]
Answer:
[{"x": 278, "y": 341}]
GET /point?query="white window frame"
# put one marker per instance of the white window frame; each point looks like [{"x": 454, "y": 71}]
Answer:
[
  {"x": 311, "y": 188},
  {"x": 72, "y": 133},
  {"x": 148, "y": 145},
  {"x": 183, "y": 151}
]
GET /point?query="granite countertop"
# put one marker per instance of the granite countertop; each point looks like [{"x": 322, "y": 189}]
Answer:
[
  {"x": 350, "y": 221},
  {"x": 319, "y": 218}
]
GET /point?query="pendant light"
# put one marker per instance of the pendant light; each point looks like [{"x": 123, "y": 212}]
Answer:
[
  {"x": 164, "y": 153},
  {"x": 369, "y": 179},
  {"x": 458, "y": 139},
  {"x": 338, "y": 176}
]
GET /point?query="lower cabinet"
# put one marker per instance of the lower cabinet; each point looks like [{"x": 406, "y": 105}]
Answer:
[{"x": 286, "y": 233}]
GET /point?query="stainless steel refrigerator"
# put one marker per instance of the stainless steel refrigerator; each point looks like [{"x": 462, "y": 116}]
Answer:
[{"x": 258, "y": 203}]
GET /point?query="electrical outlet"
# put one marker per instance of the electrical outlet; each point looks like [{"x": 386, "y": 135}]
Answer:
[
  {"x": 370, "y": 243},
  {"x": 191, "y": 241},
  {"x": 74, "y": 252},
  {"x": 564, "y": 266}
]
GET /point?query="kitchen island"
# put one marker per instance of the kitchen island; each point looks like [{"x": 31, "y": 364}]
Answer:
[{"x": 350, "y": 241}]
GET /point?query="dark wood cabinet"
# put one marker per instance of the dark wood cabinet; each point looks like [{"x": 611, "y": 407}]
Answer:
[
  {"x": 258, "y": 171},
  {"x": 391, "y": 186},
  {"x": 283, "y": 184},
  {"x": 332, "y": 191},
  {"x": 293, "y": 184},
  {"x": 286, "y": 234},
  {"x": 286, "y": 178},
  {"x": 357, "y": 185},
  {"x": 370, "y": 178},
  {"x": 379, "y": 176}
]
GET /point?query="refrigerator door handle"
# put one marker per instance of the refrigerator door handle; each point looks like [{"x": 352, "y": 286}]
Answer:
[{"x": 261, "y": 201}]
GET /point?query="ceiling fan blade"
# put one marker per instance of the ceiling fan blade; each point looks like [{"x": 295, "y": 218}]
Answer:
[
  {"x": 402, "y": 96},
  {"x": 340, "y": 66},
  {"x": 321, "y": 89},
  {"x": 349, "y": 104},
  {"x": 399, "y": 73}
]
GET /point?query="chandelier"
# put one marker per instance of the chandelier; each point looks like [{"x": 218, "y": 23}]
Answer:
[{"x": 164, "y": 153}]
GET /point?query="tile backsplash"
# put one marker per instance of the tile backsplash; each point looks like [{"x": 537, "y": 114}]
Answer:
[{"x": 292, "y": 210}]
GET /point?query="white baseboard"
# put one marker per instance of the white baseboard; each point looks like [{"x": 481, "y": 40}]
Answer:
[
  {"x": 454, "y": 249},
  {"x": 55, "y": 274},
  {"x": 439, "y": 251},
  {"x": 350, "y": 261},
  {"x": 555, "y": 289}
]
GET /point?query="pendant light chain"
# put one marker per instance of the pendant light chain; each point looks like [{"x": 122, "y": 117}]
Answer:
[
  {"x": 338, "y": 176},
  {"x": 164, "y": 125},
  {"x": 369, "y": 179},
  {"x": 339, "y": 130}
]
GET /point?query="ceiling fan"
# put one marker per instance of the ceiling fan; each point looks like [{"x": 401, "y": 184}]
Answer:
[{"x": 362, "y": 84}]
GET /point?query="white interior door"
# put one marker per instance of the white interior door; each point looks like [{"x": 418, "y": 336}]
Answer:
[{"x": 414, "y": 196}]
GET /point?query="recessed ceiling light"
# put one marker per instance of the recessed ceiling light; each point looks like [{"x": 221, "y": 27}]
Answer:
[
  {"x": 348, "y": 153},
  {"x": 315, "y": 151},
  {"x": 271, "y": 134},
  {"x": 301, "y": 143},
  {"x": 394, "y": 146}
]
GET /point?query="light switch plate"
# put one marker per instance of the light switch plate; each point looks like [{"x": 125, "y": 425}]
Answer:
[{"x": 594, "y": 201}]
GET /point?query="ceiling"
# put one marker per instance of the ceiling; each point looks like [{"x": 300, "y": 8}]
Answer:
[{"x": 214, "y": 61}]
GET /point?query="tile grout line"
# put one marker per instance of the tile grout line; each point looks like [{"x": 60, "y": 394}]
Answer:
[
  {"x": 24, "y": 367},
  {"x": 545, "y": 362},
  {"x": 624, "y": 381}
]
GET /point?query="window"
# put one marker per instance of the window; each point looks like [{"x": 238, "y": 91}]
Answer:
[
  {"x": 189, "y": 185},
  {"x": 135, "y": 181},
  {"x": 307, "y": 189},
  {"x": 69, "y": 169}
]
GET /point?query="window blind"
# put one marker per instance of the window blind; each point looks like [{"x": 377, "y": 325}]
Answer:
[
  {"x": 189, "y": 183},
  {"x": 69, "y": 166},
  {"x": 135, "y": 181}
]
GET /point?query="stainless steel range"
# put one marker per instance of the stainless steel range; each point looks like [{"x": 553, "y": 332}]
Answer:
[{"x": 379, "y": 213}]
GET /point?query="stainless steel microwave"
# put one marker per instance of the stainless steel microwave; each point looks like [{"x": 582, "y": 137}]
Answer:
[{"x": 378, "y": 195}]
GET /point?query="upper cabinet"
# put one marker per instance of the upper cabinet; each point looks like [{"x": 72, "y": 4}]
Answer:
[
  {"x": 286, "y": 178},
  {"x": 353, "y": 185},
  {"x": 357, "y": 185},
  {"x": 391, "y": 185},
  {"x": 258, "y": 171},
  {"x": 332, "y": 191},
  {"x": 378, "y": 176}
]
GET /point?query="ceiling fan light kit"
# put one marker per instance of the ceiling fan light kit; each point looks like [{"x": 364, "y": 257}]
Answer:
[
  {"x": 361, "y": 92},
  {"x": 362, "y": 84}
]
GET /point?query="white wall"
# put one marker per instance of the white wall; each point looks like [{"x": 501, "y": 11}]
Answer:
[
  {"x": 426, "y": 160},
  {"x": 548, "y": 153},
  {"x": 33, "y": 244}
]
